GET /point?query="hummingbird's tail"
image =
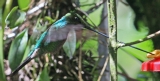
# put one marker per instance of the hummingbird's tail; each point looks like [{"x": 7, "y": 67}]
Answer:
[{"x": 20, "y": 66}]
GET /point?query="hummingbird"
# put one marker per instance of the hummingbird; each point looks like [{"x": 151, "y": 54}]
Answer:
[{"x": 52, "y": 40}]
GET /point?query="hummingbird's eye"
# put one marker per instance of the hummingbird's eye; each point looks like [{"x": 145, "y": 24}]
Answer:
[{"x": 76, "y": 18}]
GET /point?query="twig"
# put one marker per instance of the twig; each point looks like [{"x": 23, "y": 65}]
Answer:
[
  {"x": 126, "y": 76},
  {"x": 33, "y": 10},
  {"x": 104, "y": 18},
  {"x": 141, "y": 40},
  {"x": 124, "y": 73},
  {"x": 88, "y": 4},
  {"x": 79, "y": 65},
  {"x": 97, "y": 5},
  {"x": 84, "y": 13},
  {"x": 103, "y": 69},
  {"x": 124, "y": 3},
  {"x": 84, "y": 1}
]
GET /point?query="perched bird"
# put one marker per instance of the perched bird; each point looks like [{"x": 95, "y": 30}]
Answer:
[{"x": 53, "y": 38}]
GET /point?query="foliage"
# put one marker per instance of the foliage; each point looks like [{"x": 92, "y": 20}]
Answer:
[
  {"x": 25, "y": 21},
  {"x": 136, "y": 27},
  {"x": 22, "y": 22}
]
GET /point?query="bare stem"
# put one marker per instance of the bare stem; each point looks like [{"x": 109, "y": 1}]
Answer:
[
  {"x": 80, "y": 65},
  {"x": 103, "y": 69},
  {"x": 141, "y": 40}
]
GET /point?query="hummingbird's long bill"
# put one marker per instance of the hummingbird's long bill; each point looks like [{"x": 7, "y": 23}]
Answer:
[
  {"x": 100, "y": 33},
  {"x": 21, "y": 66}
]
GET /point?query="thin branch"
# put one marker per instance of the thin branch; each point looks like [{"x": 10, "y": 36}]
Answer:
[
  {"x": 84, "y": 22},
  {"x": 88, "y": 4},
  {"x": 92, "y": 9},
  {"x": 80, "y": 64},
  {"x": 97, "y": 5},
  {"x": 33, "y": 10},
  {"x": 84, "y": 1},
  {"x": 103, "y": 18},
  {"x": 126, "y": 76},
  {"x": 103, "y": 69},
  {"x": 141, "y": 40},
  {"x": 124, "y": 3}
]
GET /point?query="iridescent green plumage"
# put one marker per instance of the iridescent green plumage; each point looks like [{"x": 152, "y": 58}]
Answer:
[{"x": 53, "y": 38}]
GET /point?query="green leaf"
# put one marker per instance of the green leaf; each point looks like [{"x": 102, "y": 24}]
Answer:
[
  {"x": 145, "y": 76},
  {"x": 27, "y": 50},
  {"x": 92, "y": 45},
  {"x": 2, "y": 3},
  {"x": 24, "y": 4},
  {"x": 48, "y": 18},
  {"x": 43, "y": 76},
  {"x": 15, "y": 17},
  {"x": 17, "y": 49},
  {"x": 70, "y": 44}
]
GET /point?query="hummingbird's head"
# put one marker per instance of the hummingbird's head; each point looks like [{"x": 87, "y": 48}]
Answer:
[{"x": 72, "y": 18}]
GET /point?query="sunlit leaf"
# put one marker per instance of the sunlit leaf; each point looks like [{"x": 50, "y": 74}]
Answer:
[
  {"x": 24, "y": 4},
  {"x": 15, "y": 17},
  {"x": 70, "y": 44},
  {"x": 17, "y": 49},
  {"x": 92, "y": 45}
]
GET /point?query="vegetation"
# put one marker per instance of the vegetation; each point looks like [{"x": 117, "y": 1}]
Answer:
[{"x": 95, "y": 56}]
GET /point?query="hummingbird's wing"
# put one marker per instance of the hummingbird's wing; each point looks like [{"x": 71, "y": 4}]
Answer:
[
  {"x": 55, "y": 38},
  {"x": 61, "y": 33}
]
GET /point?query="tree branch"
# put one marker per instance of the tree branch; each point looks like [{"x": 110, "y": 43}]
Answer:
[
  {"x": 140, "y": 40},
  {"x": 97, "y": 5},
  {"x": 112, "y": 25}
]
